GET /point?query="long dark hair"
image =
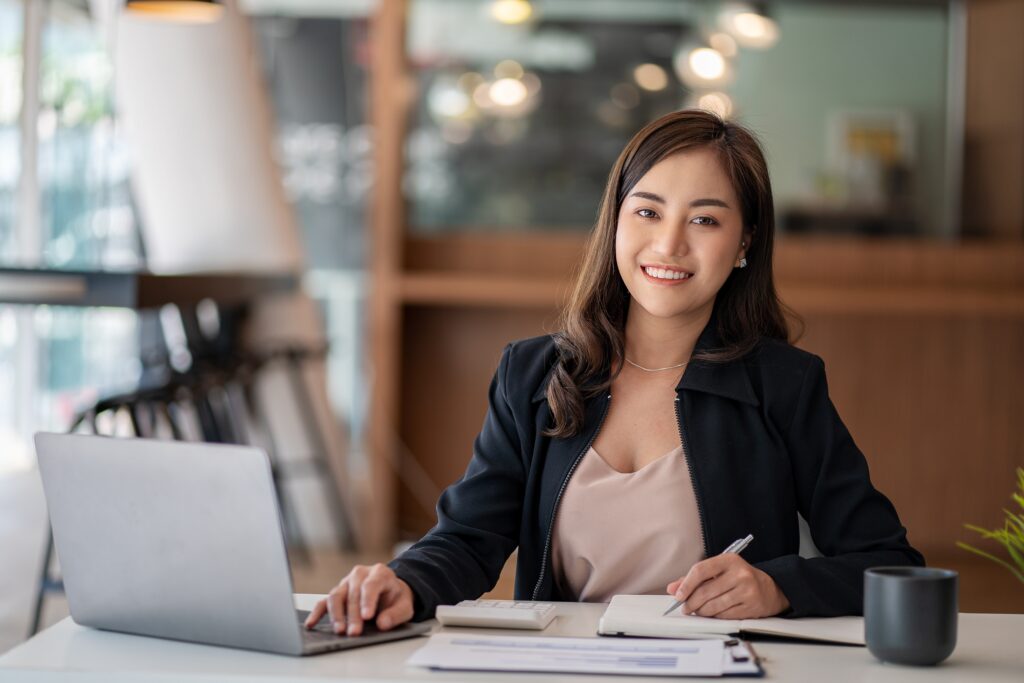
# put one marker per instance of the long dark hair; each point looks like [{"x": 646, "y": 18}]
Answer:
[{"x": 591, "y": 344}]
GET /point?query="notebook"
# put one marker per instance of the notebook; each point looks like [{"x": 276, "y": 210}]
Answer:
[{"x": 642, "y": 615}]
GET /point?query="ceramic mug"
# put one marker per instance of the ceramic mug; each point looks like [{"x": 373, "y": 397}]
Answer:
[{"x": 910, "y": 613}]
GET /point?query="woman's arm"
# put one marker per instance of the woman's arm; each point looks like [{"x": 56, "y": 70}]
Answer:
[
  {"x": 478, "y": 517},
  {"x": 852, "y": 523}
]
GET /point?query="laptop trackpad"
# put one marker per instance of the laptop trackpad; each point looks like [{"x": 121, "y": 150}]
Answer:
[{"x": 323, "y": 636}]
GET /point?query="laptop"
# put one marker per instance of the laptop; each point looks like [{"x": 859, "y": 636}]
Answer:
[{"x": 178, "y": 540}]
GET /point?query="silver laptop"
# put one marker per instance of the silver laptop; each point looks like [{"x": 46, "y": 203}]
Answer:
[{"x": 178, "y": 540}]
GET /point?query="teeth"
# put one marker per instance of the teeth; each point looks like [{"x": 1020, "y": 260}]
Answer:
[{"x": 663, "y": 274}]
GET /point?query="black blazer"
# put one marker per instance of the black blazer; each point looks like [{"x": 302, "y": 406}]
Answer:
[{"x": 763, "y": 440}]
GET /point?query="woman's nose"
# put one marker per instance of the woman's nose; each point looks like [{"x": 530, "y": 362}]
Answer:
[{"x": 671, "y": 239}]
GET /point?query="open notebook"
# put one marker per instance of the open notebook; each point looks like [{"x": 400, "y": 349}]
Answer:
[{"x": 641, "y": 615}]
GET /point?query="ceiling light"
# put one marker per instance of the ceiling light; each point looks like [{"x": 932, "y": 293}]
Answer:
[
  {"x": 707, "y": 62},
  {"x": 192, "y": 11},
  {"x": 701, "y": 68},
  {"x": 650, "y": 77},
  {"x": 507, "y": 92},
  {"x": 750, "y": 24},
  {"x": 508, "y": 68},
  {"x": 717, "y": 102},
  {"x": 511, "y": 11}
]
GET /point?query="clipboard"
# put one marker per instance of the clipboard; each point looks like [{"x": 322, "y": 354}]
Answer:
[
  {"x": 655, "y": 657},
  {"x": 740, "y": 659}
]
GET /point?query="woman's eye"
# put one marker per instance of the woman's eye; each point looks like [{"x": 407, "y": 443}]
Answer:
[
  {"x": 646, "y": 213},
  {"x": 705, "y": 220}
]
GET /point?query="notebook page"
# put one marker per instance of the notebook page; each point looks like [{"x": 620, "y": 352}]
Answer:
[
  {"x": 848, "y": 630},
  {"x": 643, "y": 615}
]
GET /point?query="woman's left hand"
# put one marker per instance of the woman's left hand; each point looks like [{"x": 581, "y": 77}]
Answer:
[{"x": 728, "y": 587}]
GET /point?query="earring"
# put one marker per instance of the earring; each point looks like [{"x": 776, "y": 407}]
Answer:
[{"x": 743, "y": 263}]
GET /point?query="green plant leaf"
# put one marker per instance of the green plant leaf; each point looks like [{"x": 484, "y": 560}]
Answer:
[
  {"x": 1010, "y": 536},
  {"x": 1018, "y": 557},
  {"x": 998, "y": 560}
]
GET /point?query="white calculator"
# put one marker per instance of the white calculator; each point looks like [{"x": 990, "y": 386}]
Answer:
[{"x": 497, "y": 614}]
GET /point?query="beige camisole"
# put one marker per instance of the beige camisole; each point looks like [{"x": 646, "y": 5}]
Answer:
[{"x": 625, "y": 532}]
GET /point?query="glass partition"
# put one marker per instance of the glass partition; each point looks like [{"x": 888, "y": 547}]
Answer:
[
  {"x": 522, "y": 106},
  {"x": 11, "y": 27},
  {"x": 88, "y": 220}
]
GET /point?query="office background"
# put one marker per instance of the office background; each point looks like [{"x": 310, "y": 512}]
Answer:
[{"x": 437, "y": 165}]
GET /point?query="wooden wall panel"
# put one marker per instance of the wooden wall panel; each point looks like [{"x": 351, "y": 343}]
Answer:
[
  {"x": 993, "y": 204},
  {"x": 934, "y": 405},
  {"x": 451, "y": 355}
]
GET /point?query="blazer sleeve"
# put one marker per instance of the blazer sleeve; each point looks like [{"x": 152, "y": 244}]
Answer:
[
  {"x": 478, "y": 517},
  {"x": 853, "y": 524}
]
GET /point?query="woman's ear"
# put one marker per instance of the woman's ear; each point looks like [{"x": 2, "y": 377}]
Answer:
[{"x": 745, "y": 240}]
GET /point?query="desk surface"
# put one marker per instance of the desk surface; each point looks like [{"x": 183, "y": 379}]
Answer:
[{"x": 990, "y": 648}]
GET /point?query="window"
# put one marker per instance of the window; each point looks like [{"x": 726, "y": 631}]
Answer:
[{"x": 73, "y": 211}]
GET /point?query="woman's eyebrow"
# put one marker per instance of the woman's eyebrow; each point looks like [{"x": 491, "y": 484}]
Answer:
[
  {"x": 704, "y": 201},
  {"x": 709, "y": 201}
]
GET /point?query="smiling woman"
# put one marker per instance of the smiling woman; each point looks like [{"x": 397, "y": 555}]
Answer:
[
  {"x": 719, "y": 428},
  {"x": 690, "y": 193}
]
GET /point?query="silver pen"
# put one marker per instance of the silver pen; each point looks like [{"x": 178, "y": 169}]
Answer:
[{"x": 736, "y": 546}]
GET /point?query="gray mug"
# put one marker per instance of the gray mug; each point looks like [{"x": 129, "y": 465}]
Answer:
[{"x": 910, "y": 614}]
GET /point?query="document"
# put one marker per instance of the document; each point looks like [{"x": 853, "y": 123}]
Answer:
[
  {"x": 643, "y": 615},
  {"x": 555, "y": 654}
]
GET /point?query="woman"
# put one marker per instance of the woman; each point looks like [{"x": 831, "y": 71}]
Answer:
[{"x": 718, "y": 427}]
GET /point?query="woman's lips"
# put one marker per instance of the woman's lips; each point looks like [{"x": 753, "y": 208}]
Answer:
[{"x": 665, "y": 282}]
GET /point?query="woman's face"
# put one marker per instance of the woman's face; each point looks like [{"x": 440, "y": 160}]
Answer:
[{"x": 679, "y": 235}]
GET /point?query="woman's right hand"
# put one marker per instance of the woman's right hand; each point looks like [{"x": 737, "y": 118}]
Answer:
[{"x": 364, "y": 593}]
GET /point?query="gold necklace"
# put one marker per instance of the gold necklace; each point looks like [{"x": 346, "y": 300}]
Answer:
[{"x": 668, "y": 367}]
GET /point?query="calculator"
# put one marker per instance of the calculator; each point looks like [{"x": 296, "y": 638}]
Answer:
[{"x": 498, "y": 614}]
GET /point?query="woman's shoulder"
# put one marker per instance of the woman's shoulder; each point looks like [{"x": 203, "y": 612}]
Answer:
[
  {"x": 526, "y": 365},
  {"x": 777, "y": 352},
  {"x": 778, "y": 370}
]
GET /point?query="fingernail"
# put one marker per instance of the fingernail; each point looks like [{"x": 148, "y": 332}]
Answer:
[
  {"x": 367, "y": 613},
  {"x": 384, "y": 622},
  {"x": 352, "y": 629}
]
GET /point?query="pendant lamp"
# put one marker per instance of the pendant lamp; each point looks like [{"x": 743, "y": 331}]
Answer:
[{"x": 195, "y": 11}]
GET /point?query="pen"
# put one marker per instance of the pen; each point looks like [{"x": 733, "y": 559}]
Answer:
[{"x": 736, "y": 546}]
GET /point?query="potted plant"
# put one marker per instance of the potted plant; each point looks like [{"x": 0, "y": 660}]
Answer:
[{"x": 1011, "y": 536}]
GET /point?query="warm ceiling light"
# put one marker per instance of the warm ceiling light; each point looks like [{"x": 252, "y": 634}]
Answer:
[
  {"x": 508, "y": 68},
  {"x": 194, "y": 11},
  {"x": 707, "y": 63},
  {"x": 724, "y": 43},
  {"x": 650, "y": 77},
  {"x": 511, "y": 11},
  {"x": 701, "y": 68},
  {"x": 507, "y": 92},
  {"x": 750, "y": 25},
  {"x": 717, "y": 102},
  {"x": 755, "y": 29}
]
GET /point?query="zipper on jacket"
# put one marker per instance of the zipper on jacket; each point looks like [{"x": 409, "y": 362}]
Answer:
[
  {"x": 693, "y": 479},
  {"x": 558, "y": 499}
]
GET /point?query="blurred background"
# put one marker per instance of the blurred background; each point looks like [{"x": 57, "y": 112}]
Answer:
[{"x": 312, "y": 225}]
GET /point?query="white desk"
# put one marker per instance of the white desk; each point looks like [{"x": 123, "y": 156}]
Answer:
[{"x": 990, "y": 648}]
